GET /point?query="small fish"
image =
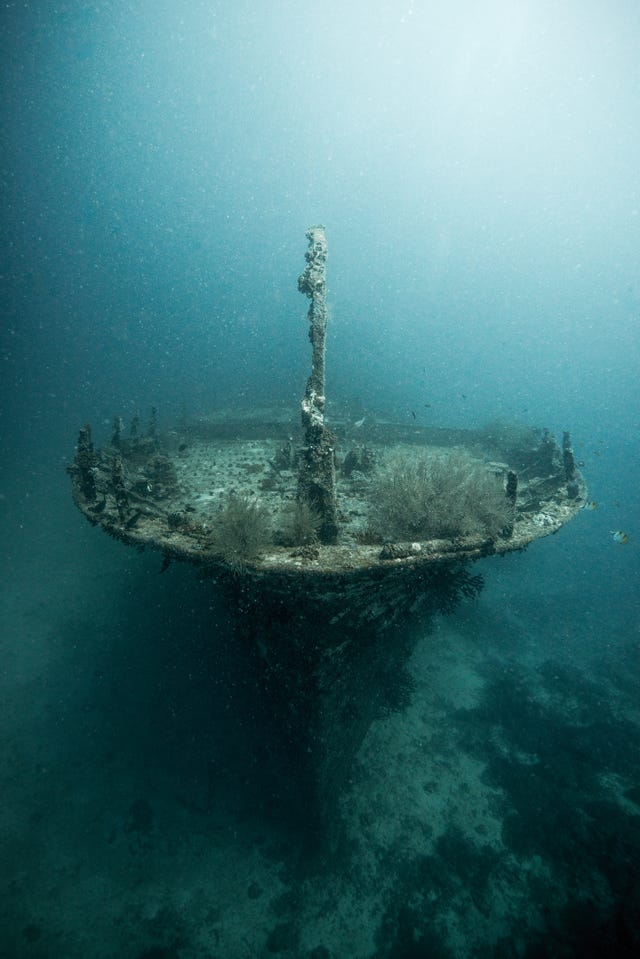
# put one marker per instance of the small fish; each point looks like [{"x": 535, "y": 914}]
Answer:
[
  {"x": 359, "y": 423},
  {"x": 427, "y": 406},
  {"x": 619, "y": 536},
  {"x": 590, "y": 504},
  {"x": 413, "y": 414}
]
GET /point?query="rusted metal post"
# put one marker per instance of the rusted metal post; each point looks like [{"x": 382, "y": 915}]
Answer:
[{"x": 316, "y": 470}]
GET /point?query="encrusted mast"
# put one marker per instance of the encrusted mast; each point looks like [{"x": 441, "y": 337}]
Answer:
[{"x": 316, "y": 473}]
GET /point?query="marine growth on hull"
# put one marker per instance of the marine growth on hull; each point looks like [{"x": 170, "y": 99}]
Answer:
[{"x": 224, "y": 490}]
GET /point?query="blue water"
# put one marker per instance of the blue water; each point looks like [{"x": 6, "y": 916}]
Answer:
[{"x": 476, "y": 168}]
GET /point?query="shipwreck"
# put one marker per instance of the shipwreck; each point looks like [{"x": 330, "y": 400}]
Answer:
[{"x": 329, "y": 538}]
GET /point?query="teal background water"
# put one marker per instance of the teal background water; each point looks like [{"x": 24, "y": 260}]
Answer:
[{"x": 476, "y": 168}]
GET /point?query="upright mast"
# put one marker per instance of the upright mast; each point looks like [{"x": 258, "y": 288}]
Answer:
[{"x": 316, "y": 470}]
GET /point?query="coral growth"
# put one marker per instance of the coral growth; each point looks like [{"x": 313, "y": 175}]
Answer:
[
  {"x": 441, "y": 495},
  {"x": 451, "y": 583},
  {"x": 242, "y": 530},
  {"x": 302, "y": 524}
]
